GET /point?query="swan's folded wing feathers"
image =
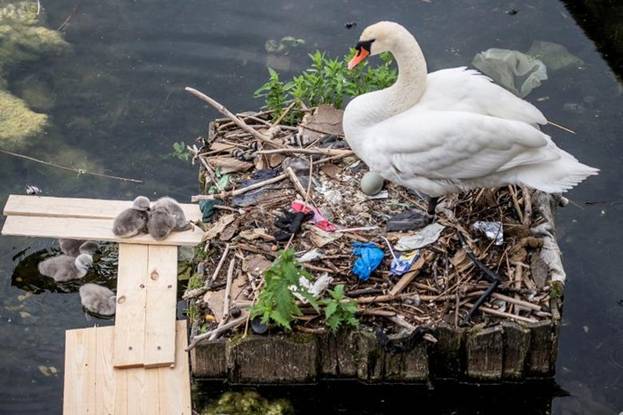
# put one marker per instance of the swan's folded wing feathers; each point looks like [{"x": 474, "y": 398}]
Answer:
[
  {"x": 455, "y": 145},
  {"x": 462, "y": 89}
]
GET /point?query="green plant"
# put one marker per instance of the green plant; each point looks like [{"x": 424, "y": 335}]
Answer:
[
  {"x": 276, "y": 302},
  {"x": 222, "y": 180},
  {"x": 180, "y": 151},
  {"x": 339, "y": 310},
  {"x": 326, "y": 81}
]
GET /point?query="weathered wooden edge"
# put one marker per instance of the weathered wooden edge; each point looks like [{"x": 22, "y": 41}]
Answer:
[{"x": 503, "y": 352}]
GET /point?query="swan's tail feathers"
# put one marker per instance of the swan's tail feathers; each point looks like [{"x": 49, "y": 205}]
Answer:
[{"x": 557, "y": 177}]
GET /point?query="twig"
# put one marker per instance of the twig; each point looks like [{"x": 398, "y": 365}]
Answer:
[
  {"x": 79, "y": 171},
  {"x": 561, "y": 127},
  {"x": 217, "y": 331},
  {"x": 220, "y": 263},
  {"x": 237, "y": 192},
  {"x": 332, "y": 158},
  {"x": 409, "y": 276},
  {"x": 316, "y": 130},
  {"x": 283, "y": 114},
  {"x": 323, "y": 151},
  {"x": 309, "y": 181},
  {"x": 527, "y": 206},
  {"x": 68, "y": 19},
  {"x": 511, "y": 190},
  {"x": 227, "y": 298},
  {"x": 38, "y": 7},
  {"x": 295, "y": 181},
  {"x": 503, "y": 314},
  {"x": 221, "y": 108}
]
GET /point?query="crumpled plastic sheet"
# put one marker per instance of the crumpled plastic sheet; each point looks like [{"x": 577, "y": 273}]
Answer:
[
  {"x": 492, "y": 230},
  {"x": 550, "y": 252},
  {"x": 408, "y": 220},
  {"x": 207, "y": 208},
  {"x": 402, "y": 263},
  {"x": 369, "y": 257},
  {"x": 422, "y": 238},
  {"x": 553, "y": 55},
  {"x": 315, "y": 289},
  {"x": 319, "y": 220},
  {"x": 514, "y": 70},
  {"x": 251, "y": 197},
  {"x": 310, "y": 255}
]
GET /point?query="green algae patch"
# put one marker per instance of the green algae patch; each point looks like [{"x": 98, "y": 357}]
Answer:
[
  {"x": 17, "y": 121},
  {"x": 247, "y": 403}
]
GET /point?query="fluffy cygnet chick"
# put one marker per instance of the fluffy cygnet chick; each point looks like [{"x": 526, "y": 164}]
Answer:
[
  {"x": 133, "y": 220},
  {"x": 97, "y": 299},
  {"x": 65, "y": 267},
  {"x": 160, "y": 223},
  {"x": 75, "y": 247},
  {"x": 171, "y": 206}
]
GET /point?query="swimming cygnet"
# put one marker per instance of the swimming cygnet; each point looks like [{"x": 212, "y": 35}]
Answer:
[
  {"x": 98, "y": 299},
  {"x": 75, "y": 247},
  {"x": 171, "y": 206},
  {"x": 133, "y": 220},
  {"x": 65, "y": 267}
]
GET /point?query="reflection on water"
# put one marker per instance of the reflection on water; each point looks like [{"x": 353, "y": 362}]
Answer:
[{"x": 116, "y": 104}]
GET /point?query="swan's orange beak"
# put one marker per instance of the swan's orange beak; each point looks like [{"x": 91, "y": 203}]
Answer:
[{"x": 361, "y": 55}]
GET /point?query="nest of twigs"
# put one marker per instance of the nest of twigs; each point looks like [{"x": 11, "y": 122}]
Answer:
[{"x": 312, "y": 163}]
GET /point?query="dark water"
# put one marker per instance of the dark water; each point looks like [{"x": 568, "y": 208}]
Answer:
[{"x": 120, "y": 106}]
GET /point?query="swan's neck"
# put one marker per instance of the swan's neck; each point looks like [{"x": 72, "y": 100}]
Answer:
[{"x": 374, "y": 107}]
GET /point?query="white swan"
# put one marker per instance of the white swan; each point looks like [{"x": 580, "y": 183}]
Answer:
[{"x": 451, "y": 130}]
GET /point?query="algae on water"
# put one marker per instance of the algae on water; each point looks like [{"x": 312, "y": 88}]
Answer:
[
  {"x": 23, "y": 39},
  {"x": 247, "y": 403}
]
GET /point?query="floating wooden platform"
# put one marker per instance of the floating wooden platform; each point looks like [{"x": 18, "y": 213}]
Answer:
[{"x": 139, "y": 366}]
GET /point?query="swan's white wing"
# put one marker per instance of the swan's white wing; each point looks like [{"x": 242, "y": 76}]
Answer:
[
  {"x": 454, "y": 145},
  {"x": 462, "y": 89}
]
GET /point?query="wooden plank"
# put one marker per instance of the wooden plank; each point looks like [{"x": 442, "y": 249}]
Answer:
[
  {"x": 93, "y": 229},
  {"x": 132, "y": 391},
  {"x": 78, "y": 207},
  {"x": 80, "y": 372},
  {"x": 104, "y": 374},
  {"x": 174, "y": 393},
  {"x": 160, "y": 306},
  {"x": 129, "y": 339}
]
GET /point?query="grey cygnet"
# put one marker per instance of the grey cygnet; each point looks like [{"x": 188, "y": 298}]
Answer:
[
  {"x": 75, "y": 247},
  {"x": 98, "y": 299},
  {"x": 133, "y": 220},
  {"x": 160, "y": 224},
  {"x": 171, "y": 206},
  {"x": 65, "y": 267}
]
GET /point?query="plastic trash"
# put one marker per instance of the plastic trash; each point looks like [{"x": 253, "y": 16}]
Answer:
[
  {"x": 310, "y": 255},
  {"x": 408, "y": 220},
  {"x": 318, "y": 219},
  {"x": 369, "y": 257},
  {"x": 250, "y": 198},
  {"x": 315, "y": 289},
  {"x": 515, "y": 71},
  {"x": 289, "y": 224},
  {"x": 553, "y": 55},
  {"x": 492, "y": 230},
  {"x": 402, "y": 264},
  {"x": 32, "y": 190},
  {"x": 207, "y": 208},
  {"x": 422, "y": 238}
]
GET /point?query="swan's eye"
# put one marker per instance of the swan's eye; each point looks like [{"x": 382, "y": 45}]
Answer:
[{"x": 365, "y": 45}]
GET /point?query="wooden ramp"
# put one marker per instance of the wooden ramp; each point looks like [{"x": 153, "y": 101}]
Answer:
[{"x": 139, "y": 366}]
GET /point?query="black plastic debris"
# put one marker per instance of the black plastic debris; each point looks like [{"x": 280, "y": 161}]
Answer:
[
  {"x": 408, "y": 220},
  {"x": 258, "y": 327},
  {"x": 290, "y": 223},
  {"x": 350, "y": 25},
  {"x": 251, "y": 197}
]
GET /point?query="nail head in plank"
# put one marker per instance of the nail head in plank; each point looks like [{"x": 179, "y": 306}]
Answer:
[
  {"x": 93, "y": 229},
  {"x": 160, "y": 306},
  {"x": 78, "y": 207},
  {"x": 129, "y": 339}
]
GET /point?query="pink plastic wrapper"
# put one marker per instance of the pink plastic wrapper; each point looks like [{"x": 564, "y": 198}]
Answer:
[{"x": 319, "y": 220}]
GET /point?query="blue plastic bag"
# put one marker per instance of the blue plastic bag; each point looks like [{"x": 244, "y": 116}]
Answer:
[{"x": 369, "y": 257}]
